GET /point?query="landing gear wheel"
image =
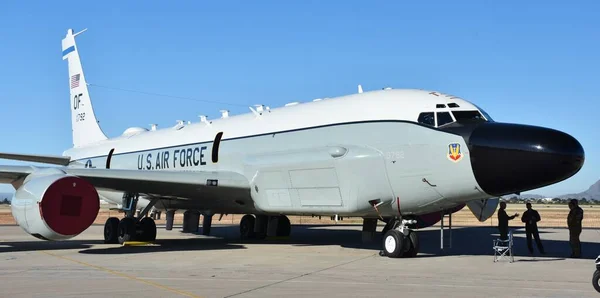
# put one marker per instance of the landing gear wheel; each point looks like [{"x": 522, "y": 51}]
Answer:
[
  {"x": 247, "y": 227},
  {"x": 126, "y": 230},
  {"x": 284, "y": 226},
  {"x": 413, "y": 245},
  {"x": 148, "y": 227},
  {"x": 111, "y": 231},
  {"x": 262, "y": 223},
  {"x": 596, "y": 280},
  {"x": 393, "y": 244}
]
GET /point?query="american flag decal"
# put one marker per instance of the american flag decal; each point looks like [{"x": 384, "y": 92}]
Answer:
[{"x": 75, "y": 81}]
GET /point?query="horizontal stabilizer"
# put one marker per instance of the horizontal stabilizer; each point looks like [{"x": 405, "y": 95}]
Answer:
[
  {"x": 483, "y": 209},
  {"x": 48, "y": 159}
]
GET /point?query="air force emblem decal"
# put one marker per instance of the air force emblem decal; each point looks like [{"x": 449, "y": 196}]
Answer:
[{"x": 454, "y": 153}]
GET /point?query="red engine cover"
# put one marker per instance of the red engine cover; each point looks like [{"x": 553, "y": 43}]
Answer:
[{"x": 70, "y": 205}]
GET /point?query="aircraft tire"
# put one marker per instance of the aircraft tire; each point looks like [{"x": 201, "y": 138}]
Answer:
[
  {"x": 284, "y": 227},
  {"x": 126, "y": 230},
  {"x": 596, "y": 280},
  {"x": 148, "y": 227},
  {"x": 393, "y": 244},
  {"x": 262, "y": 231},
  {"x": 413, "y": 245},
  {"x": 111, "y": 231},
  {"x": 247, "y": 227}
]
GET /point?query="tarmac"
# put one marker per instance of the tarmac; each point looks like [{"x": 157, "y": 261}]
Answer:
[{"x": 315, "y": 261}]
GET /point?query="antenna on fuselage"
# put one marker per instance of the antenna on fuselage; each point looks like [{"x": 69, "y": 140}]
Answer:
[
  {"x": 180, "y": 124},
  {"x": 204, "y": 120},
  {"x": 258, "y": 110},
  {"x": 360, "y": 89}
]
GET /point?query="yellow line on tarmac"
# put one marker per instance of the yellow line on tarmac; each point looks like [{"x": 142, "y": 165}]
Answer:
[{"x": 117, "y": 273}]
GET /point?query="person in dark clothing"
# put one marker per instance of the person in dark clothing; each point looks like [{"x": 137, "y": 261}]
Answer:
[
  {"x": 530, "y": 218},
  {"x": 503, "y": 219},
  {"x": 574, "y": 222}
]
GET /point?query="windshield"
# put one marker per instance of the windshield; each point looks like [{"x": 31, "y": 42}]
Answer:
[
  {"x": 485, "y": 114},
  {"x": 427, "y": 118},
  {"x": 468, "y": 116}
]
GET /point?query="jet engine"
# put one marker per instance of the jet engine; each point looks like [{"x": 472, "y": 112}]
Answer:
[{"x": 52, "y": 205}]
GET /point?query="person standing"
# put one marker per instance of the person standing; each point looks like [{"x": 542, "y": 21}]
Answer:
[
  {"x": 574, "y": 222},
  {"x": 503, "y": 219},
  {"x": 530, "y": 218}
]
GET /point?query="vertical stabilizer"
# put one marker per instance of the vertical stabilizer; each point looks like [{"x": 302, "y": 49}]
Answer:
[{"x": 83, "y": 121}]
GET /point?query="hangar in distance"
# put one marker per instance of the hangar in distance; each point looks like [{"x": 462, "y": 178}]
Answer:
[{"x": 402, "y": 156}]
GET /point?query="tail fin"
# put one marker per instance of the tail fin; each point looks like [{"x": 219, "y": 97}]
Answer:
[{"x": 83, "y": 121}]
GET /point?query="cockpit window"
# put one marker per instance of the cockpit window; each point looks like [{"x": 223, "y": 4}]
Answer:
[
  {"x": 427, "y": 118},
  {"x": 485, "y": 114},
  {"x": 444, "y": 118},
  {"x": 453, "y": 105},
  {"x": 468, "y": 116},
  {"x": 440, "y": 105}
]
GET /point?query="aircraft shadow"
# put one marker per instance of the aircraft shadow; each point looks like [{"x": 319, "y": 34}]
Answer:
[
  {"x": 474, "y": 241},
  {"x": 479, "y": 241},
  {"x": 166, "y": 245},
  {"x": 34, "y": 245},
  {"x": 469, "y": 241}
]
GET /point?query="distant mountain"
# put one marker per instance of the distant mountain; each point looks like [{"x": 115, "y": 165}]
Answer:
[{"x": 593, "y": 193}]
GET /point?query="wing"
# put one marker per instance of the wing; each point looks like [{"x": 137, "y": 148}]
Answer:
[
  {"x": 165, "y": 183},
  {"x": 9, "y": 174},
  {"x": 49, "y": 159},
  {"x": 213, "y": 186}
]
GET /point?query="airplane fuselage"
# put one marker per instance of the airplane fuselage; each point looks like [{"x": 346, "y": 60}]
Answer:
[{"x": 335, "y": 156}]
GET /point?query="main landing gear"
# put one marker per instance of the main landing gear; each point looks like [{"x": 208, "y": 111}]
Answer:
[
  {"x": 130, "y": 228},
  {"x": 399, "y": 241},
  {"x": 261, "y": 226}
]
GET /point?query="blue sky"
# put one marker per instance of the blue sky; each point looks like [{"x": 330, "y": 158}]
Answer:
[{"x": 529, "y": 62}]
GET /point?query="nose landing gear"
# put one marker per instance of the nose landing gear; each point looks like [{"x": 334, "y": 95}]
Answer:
[{"x": 399, "y": 241}]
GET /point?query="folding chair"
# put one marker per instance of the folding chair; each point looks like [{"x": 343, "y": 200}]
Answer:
[{"x": 502, "y": 247}]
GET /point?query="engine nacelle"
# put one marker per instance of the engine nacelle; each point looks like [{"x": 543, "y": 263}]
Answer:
[{"x": 52, "y": 205}]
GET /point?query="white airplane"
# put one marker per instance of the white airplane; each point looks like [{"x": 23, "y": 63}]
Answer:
[{"x": 401, "y": 156}]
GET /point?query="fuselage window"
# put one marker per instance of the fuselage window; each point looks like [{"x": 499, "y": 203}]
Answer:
[
  {"x": 427, "y": 118},
  {"x": 215, "y": 148},
  {"x": 444, "y": 118},
  {"x": 468, "y": 116}
]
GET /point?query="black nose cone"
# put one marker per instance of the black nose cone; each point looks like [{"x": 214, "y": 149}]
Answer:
[{"x": 511, "y": 158}]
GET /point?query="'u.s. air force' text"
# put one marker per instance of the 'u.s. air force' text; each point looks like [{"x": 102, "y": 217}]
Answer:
[{"x": 174, "y": 158}]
